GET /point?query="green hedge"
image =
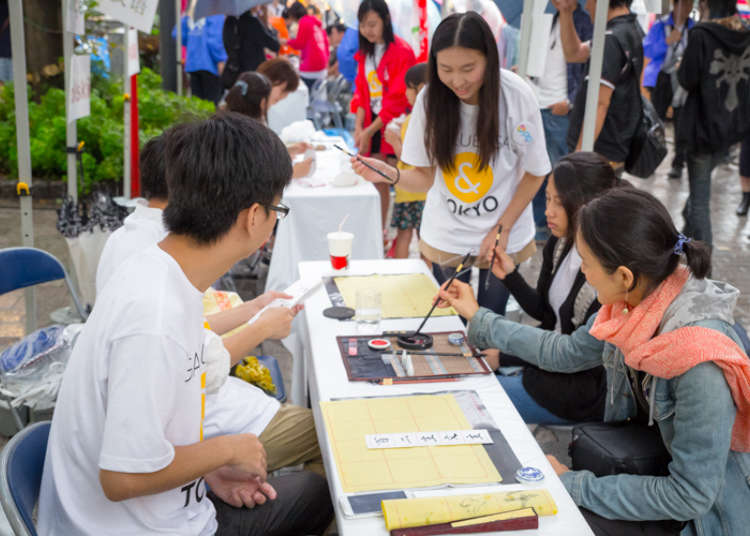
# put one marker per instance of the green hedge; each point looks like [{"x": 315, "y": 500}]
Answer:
[{"x": 102, "y": 131}]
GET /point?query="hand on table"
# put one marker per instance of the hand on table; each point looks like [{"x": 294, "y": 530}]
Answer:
[
  {"x": 368, "y": 174},
  {"x": 503, "y": 264},
  {"x": 460, "y": 296},
  {"x": 557, "y": 466},
  {"x": 492, "y": 357}
]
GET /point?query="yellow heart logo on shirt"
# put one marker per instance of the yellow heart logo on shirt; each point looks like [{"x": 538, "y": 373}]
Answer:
[
  {"x": 465, "y": 181},
  {"x": 376, "y": 88}
]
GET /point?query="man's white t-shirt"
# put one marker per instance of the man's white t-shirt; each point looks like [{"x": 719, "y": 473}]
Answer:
[
  {"x": 238, "y": 407},
  {"x": 140, "y": 229},
  {"x": 552, "y": 86},
  {"x": 134, "y": 388},
  {"x": 464, "y": 204},
  {"x": 374, "y": 83}
]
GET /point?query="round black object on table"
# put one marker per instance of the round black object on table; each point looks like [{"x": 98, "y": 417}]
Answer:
[
  {"x": 339, "y": 313},
  {"x": 414, "y": 341}
]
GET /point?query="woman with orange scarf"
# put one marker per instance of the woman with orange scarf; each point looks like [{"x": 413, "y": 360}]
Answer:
[{"x": 665, "y": 336}]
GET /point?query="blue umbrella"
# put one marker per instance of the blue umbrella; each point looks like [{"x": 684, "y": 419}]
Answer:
[{"x": 206, "y": 8}]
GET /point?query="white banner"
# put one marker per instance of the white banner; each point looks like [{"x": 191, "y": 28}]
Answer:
[
  {"x": 136, "y": 13},
  {"x": 134, "y": 62},
  {"x": 80, "y": 87},
  {"x": 74, "y": 17}
]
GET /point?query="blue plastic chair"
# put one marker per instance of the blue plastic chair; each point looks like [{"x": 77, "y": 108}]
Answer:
[
  {"x": 26, "y": 267},
  {"x": 273, "y": 367},
  {"x": 21, "y": 465}
]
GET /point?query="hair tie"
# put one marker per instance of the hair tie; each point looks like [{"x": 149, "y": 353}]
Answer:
[
  {"x": 681, "y": 241},
  {"x": 243, "y": 85}
]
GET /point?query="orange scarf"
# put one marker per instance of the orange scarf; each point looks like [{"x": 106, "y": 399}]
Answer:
[{"x": 674, "y": 353}]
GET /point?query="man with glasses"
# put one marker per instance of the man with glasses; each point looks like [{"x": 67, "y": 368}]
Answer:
[{"x": 195, "y": 216}]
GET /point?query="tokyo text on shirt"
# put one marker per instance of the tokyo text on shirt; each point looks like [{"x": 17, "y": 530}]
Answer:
[
  {"x": 134, "y": 388},
  {"x": 464, "y": 203}
]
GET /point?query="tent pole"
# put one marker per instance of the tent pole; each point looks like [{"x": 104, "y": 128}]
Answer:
[
  {"x": 595, "y": 75},
  {"x": 18, "y": 39}
]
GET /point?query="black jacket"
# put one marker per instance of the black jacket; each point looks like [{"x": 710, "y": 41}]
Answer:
[
  {"x": 715, "y": 72},
  {"x": 579, "y": 396},
  {"x": 245, "y": 37}
]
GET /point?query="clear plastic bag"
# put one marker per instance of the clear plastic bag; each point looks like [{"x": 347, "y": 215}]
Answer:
[{"x": 31, "y": 370}]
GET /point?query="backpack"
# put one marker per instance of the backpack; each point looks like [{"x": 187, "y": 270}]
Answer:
[{"x": 648, "y": 146}]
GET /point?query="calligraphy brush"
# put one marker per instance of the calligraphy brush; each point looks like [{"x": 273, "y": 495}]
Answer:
[
  {"x": 450, "y": 282},
  {"x": 494, "y": 252},
  {"x": 386, "y": 177}
]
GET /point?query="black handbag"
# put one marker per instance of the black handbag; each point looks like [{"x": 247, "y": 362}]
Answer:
[
  {"x": 615, "y": 448},
  {"x": 648, "y": 147}
]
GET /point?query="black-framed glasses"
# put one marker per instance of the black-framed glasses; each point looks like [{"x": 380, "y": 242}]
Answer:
[{"x": 282, "y": 211}]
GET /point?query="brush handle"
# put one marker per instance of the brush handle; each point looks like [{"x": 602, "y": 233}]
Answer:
[{"x": 450, "y": 282}]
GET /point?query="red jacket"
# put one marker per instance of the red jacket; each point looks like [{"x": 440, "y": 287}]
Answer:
[
  {"x": 397, "y": 59},
  {"x": 312, "y": 42}
]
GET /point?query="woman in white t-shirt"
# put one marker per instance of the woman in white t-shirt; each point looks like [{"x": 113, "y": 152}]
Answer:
[{"x": 477, "y": 145}]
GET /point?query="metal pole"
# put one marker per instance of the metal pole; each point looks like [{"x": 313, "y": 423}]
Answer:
[
  {"x": 126, "y": 114},
  {"x": 525, "y": 42},
  {"x": 595, "y": 75},
  {"x": 70, "y": 126},
  {"x": 178, "y": 26},
  {"x": 167, "y": 67},
  {"x": 18, "y": 39}
]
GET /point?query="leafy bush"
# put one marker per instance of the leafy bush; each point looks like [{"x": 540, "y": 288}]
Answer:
[{"x": 102, "y": 131}]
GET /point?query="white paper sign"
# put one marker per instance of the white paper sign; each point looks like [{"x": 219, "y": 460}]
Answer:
[
  {"x": 134, "y": 61},
  {"x": 427, "y": 439},
  {"x": 74, "y": 17},
  {"x": 136, "y": 13},
  {"x": 80, "y": 87},
  {"x": 541, "y": 26}
]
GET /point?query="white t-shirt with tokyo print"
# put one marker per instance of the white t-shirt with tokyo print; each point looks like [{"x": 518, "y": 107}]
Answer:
[
  {"x": 465, "y": 203},
  {"x": 134, "y": 388},
  {"x": 374, "y": 83}
]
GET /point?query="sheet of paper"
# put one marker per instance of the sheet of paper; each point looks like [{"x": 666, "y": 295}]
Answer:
[
  {"x": 424, "y": 439},
  {"x": 405, "y": 513},
  {"x": 299, "y": 291},
  {"x": 401, "y": 295},
  {"x": 362, "y": 469}
]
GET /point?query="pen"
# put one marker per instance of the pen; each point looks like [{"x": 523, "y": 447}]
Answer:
[{"x": 386, "y": 177}]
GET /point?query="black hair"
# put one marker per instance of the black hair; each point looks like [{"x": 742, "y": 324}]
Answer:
[
  {"x": 381, "y": 8},
  {"x": 218, "y": 167},
  {"x": 151, "y": 165},
  {"x": 280, "y": 71},
  {"x": 579, "y": 177},
  {"x": 296, "y": 11},
  {"x": 247, "y": 94},
  {"x": 443, "y": 111},
  {"x": 629, "y": 227},
  {"x": 416, "y": 75},
  {"x": 338, "y": 26},
  {"x": 719, "y": 9},
  {"x": 616, "y": 3}
]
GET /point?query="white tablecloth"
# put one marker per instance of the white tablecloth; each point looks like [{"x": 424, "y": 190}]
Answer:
[
  {"x": 301, "y": 236},
  {"x": 328, "y": 379}
]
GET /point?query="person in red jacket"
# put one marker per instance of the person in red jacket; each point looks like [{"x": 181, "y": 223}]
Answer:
[
  {"x": 379, "y": 87},
  {"x": 312, "y": 42}
]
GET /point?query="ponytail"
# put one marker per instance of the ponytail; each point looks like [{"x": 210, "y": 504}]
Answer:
[{"x": 698, "y": 256}]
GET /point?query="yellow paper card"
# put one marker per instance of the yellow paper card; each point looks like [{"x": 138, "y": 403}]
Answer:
[
  {"x": 401, "y": 295},
  {"x": 361, "y": 469},
  {"x": 405, "y": 513}
]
